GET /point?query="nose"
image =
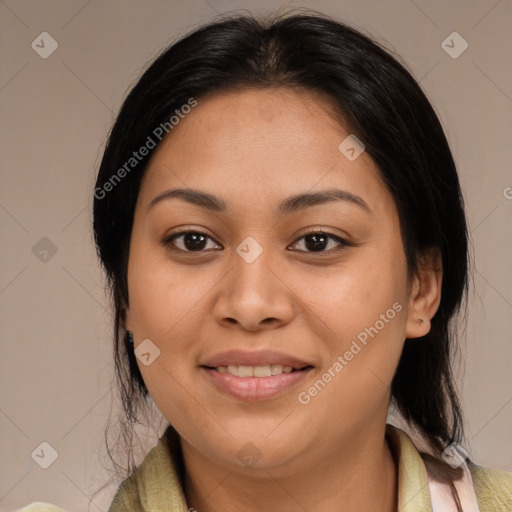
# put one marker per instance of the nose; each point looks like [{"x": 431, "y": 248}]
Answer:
[{"x": 253, "y": 296}]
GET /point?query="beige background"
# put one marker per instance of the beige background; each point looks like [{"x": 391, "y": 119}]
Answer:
[{"x": 56, "y": 364}]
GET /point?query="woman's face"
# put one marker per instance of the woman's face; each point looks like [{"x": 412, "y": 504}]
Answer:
[{"x": 338, "y": 303}]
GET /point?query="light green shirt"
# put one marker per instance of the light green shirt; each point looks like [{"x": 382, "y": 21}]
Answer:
[{"x": 155, "y": 486}]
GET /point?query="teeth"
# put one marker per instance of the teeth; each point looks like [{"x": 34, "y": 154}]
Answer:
[
  {"x": 255, "y": 371},
  {"x": 245, "y": 371},
  {"x": 276, "y": 369}
]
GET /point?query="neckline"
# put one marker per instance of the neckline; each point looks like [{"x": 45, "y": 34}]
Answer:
[{"x": 412, "y": 479}]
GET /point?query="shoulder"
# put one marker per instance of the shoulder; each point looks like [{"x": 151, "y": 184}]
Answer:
[
  {"x": 155, "y": 483},
  {"x": 126, "y": 498},
  {"x": 493, "y": 487}
]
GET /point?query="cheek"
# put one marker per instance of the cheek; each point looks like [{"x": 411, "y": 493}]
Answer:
[
  {"x": 365, "y": 316},
  {"x": 355, "y": 297},
  {"x": 173, "y": 393},
  {"x": 362, "y": 308},
  {"x": 166, "y": 308},
  {"x": 164, "y": 295}
]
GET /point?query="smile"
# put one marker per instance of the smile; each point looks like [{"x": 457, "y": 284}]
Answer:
[{"x": 255, "y": 382}]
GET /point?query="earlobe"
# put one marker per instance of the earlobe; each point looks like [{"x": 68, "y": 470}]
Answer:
[{"x": 425, "y": 295}]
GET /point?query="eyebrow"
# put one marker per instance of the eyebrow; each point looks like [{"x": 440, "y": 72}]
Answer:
[{"x": 287, "y": 206}]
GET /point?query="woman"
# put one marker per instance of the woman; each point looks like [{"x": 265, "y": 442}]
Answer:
[{"x": 280, "y": 220}]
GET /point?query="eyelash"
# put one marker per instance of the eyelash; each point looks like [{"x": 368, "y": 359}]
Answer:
[{"x": 168, "y": 241}]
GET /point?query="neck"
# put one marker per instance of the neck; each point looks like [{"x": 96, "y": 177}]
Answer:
[{"x": 360, "y": 475}]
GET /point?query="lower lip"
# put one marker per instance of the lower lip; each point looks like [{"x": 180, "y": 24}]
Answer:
[{"x": 255, "y": 388}]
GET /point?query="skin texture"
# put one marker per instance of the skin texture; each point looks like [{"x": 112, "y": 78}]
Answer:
[{"x": 254, "y": 148}]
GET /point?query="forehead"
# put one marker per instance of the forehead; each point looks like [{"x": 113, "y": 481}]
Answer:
[{"x": 260, "y": 145}]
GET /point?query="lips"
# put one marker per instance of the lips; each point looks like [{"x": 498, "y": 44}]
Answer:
[
  {"x": 261, "y": 375},
  {"x": 255, "y": 388},
  {"x": 254, "y": 359}
]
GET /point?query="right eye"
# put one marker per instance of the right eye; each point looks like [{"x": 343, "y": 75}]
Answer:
[{"x": 191, "y": 241}]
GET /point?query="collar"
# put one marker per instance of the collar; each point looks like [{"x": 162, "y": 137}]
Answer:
[{"x": 413, "y": 483}]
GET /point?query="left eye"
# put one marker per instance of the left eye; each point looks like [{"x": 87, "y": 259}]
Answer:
[
  {"x": 197, "y": 241},
  {"x": 317, "y": 241}
]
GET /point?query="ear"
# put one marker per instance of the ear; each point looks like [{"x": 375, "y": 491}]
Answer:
[{"x": 425, "y": 294}]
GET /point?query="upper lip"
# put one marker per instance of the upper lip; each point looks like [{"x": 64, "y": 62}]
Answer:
[{"x": 259, "y": 358}]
